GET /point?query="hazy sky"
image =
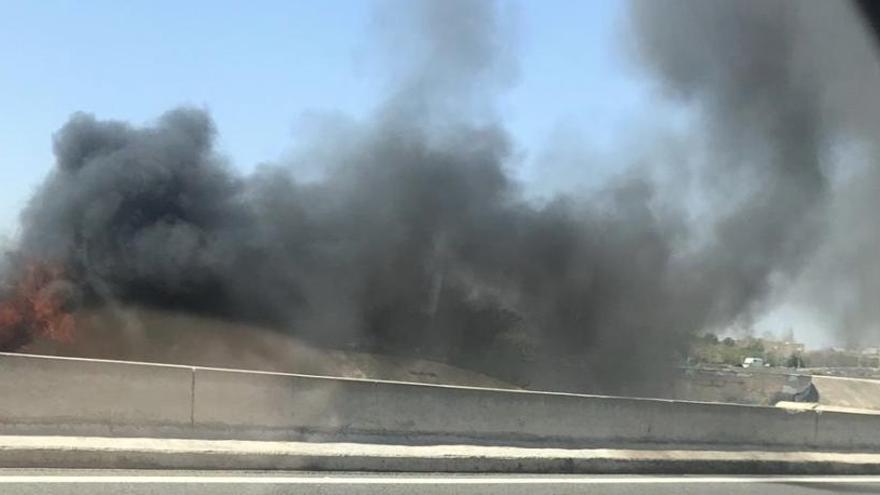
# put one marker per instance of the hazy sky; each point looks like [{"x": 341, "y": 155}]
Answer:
[{"x": 261, "y": 67}]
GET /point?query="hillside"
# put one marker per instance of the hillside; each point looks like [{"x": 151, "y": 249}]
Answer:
[{"x": 139, "y": 334}]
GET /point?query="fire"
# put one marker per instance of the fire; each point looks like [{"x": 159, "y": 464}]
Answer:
[{"x": 34, "y": 307}]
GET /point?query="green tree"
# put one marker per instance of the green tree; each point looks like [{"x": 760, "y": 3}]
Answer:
[
  {"x": 756, "y": 347},
  {"x": 729, "y": 342}
]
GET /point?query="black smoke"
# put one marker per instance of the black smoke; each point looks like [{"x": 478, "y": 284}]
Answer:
[{"x": 417, "y": 240}]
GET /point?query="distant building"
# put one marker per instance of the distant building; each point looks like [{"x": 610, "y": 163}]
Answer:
[{"x": 871, "y": 351}]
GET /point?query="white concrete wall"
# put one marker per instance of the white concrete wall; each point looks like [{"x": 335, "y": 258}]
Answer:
[
  {"x": 848, "y": 430},
  {"x": 58, "y": 394},
  {"x": 65, "y": 395},
  {"x": 278, "y": 406}
]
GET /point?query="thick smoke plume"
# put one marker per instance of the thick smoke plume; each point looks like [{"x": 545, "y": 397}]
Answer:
[
  {"x": 417, "y": 240},
  {"x": 791, "y": 95},
  {"x": 749, "y": 70}
]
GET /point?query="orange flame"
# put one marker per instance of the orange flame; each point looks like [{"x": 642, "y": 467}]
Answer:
[{"x": 32, "y": 309}]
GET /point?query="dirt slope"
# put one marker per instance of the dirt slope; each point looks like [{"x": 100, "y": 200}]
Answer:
[
  {"x": 138, "y": 334},
  {"x": 848, "y": 392}
]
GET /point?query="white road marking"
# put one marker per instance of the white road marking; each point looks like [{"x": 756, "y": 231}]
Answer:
[{"x": 468, "y": 480}]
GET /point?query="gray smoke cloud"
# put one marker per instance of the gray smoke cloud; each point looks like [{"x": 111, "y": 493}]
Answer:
[
  {"x": 840, "y": 286},
  {"x": 417, "y": 240},
  {"x": 744, "y": 65},
  {"x": 790, "y": 95}
]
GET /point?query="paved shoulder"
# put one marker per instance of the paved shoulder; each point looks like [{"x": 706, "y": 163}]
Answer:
[
  {"x": 229, "y": 483},
  {"x": 193, "y": 454}
]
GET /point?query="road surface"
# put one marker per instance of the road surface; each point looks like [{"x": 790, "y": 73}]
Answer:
[{"x": 76, "y": 482}]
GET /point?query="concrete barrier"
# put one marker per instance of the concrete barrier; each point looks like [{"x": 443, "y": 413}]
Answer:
[
  {"x": 276, "y": 406},
  {"x": 65, "y": 395},
  {"x": 47, "y": 394},
  {"x": 848, "y": 431}
]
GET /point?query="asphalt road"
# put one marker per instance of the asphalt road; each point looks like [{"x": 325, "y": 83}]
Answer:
[{"x": 33, "y": 482}]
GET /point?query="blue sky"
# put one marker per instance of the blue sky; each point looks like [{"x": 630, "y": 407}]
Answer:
[{"x": 259, "y": 66}]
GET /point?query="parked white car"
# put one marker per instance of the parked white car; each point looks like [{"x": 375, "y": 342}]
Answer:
[{"x": 753, "y": 362}]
